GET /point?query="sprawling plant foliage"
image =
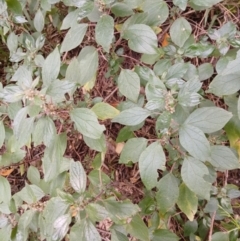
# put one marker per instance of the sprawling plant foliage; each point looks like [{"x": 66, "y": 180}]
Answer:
[{"x": 46, "y": 100}]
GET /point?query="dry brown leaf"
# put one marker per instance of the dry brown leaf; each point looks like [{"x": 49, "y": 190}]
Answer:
[
  {"x": 119, "y": 147},
  {"x": 7, "y": 172},
  {"x": 165, "y": 41}
]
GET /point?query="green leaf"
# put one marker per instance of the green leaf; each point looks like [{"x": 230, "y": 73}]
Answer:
[
  {"x": 87, "y": 123},
  {"x": 223, "y": 158},
  {"x": 167, "y": 194},
  {"x": 209, "y": 119},
  {"x": 117, "y": 236},
  {"x": 3, "y": 221},
  {"x": 23, "y": 127},
  {"x": 13, "y": 109},
  {"x": 25, "y": 219},
  {"x": 5, "y": 189},
  {"x": 203, "y": 4},
  {"x": 132, "y": 150},
  {"x": 180, "y": 31},
  {"x": 155, "y": 92},
  {"x": 195, "y": 142},
  {"x": 54, "y": 209},
  {"x": 134, "y": 19},
  {"x": 39, "y": 21},
  {"x": 104, "y": 32},
  {"x": 84, "y": 230},
  {"x": 211, "y": 206},
  {"x": 72, "y": 72},
  {"x": 58, "y": 182},
  {"x": 121, "y": 10},
  {"x": 164, "y": 235},
  {"x": 95, "y": 14},
  {"x": 78, "y": 178},
  {"x": 238, "y": 108},
  {"x": 120, "y": 210},
  {"x": 96, "y": 212},
  {"x": 70, "y": 18},
  {"x": 5, "y": 233},
  {"x": 105, "y": 111},
  {"x": 53, "y": 157},
  {"x": 129, "y": 84},
  {"x": 125, "y": 134},
  {"x": 205, "y": 71},
  {"x": 151, "y": 159},
  {"x": 193, "y": 172},
  {"x": 34, "y": 110},
  {"x": 67, "y": 197},
  {"x": 232, "y": 66},
  {"x": 220, "y": 236},
  {"x": 58, "y": 88},
  {"x": 12, "y": 42},
  {"x": 225, "y": 85},
  {"x": 96, "y": 144},
  {"x": 132, "y": 116},
  {"x": 14, "y": 6},
  {"x": 13, "y": 155},
  {"x": 12, "y": 94},
  {"x": 33, "y": 175},
  {"x": 97, "y": 177},
  {"x": 152, "y": 58},
  {"x": 177, "y": 71},
  {"x": 44, "y": 131},
  {"x": 51, "y": 67},
  {"x": 23, "y": 77},
  {"x": 187, "y": 201},
  {"x": 190, "y": 227},
  {"x": 141, "y": 38},
  {"x": 232, "y": 129},
  {"x": 31, "y": 194},
  {"x": 182, "y": 4},
  {"x": 163, "y": 122},
  {"x": 53, "y": 1},
  {"x": 74, "y": 37},
  {"x": 157, "y": 12},
  {"x": 88, "y": 64},
  {"x": 138, "y": 229},
  {"x": 75, "y": 16},
  {"x": 162, "y": 66},
  {"x": 226, "y": 82},
  {"x": 222, "y": 64},
  {"x": 2, "y": 133},
  {"x": 61, "y": 226}
]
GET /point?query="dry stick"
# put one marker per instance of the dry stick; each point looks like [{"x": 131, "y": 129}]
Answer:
[
  {"x": 64, "y": 56},
  {"x": 115, "y": 90},
  {"x": 226, "y": 178},
  {"x": 103, "y": 231},
  {"x": 161, "y": 35},
  {"x": 129, "y": 57},
  {"x": 228, "y": 11},
  {"x": 20, "y": 163},
  {"x": 211, "y": 227}
]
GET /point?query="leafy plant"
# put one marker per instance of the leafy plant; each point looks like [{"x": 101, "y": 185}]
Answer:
[{"x": 60, "y": 54}]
